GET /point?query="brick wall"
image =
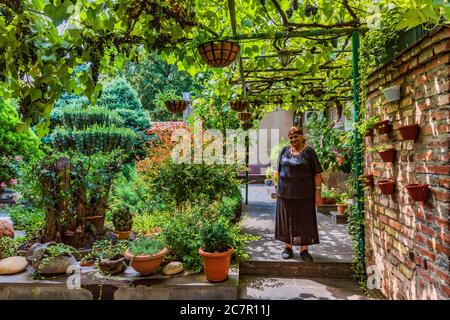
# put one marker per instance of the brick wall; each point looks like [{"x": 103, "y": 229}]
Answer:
[{"x": 407, "y": 241}]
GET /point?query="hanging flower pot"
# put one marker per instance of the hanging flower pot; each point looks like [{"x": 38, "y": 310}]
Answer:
[
  {"x": 387, "y": 187},
  {"x": 238, "y": 105},
  {"x": 219, "y": 54},
  {"x": 387, "y": 155},
  {"x": 176, "y": 106},
  {"x": 245, "y": 116},
  {"x": 392, "y": 93},
  {"x": 246, "y": 125},
  {"x": 409, "y": 132},
  {"x": 418, "y": 192},
  {"x": 284, "y": 56},
  {"x": 383, "y": 126}
]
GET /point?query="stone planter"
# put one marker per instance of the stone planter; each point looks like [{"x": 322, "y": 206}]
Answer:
[
  {"x": 387, "y": 155},
  {"x": 418, "y": 192},
  {"x": 113, "y": 266},
  {"x": 409, "y": 132},
  {"x": 387, "y": 187}
]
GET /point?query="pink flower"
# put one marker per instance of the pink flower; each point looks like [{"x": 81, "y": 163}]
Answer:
[
  {"x": 14, "y": 181},
  {"x": 3, "y": 185},
  {"x": 18, "y": 158}
]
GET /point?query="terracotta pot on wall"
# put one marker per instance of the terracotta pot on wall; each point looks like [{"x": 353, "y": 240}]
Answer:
[
  {"x": 418, "y": 192},
  {"x": 409, "y": 132},
  {"x": 387, "y": 155},
  {"x": 216, "y": 265},
  {"x": 368, "y": 180},
  {"x": 387, "y": 187},
  {"x": 383, "y": 127}
]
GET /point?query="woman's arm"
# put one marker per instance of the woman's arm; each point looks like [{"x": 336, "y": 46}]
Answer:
[{"x": 318, "y": 183}]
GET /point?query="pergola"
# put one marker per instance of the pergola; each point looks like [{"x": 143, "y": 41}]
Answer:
[{"x": 277, "y": 83}]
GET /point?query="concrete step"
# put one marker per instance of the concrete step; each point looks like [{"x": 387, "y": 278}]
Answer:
[
  {"x": 280, "y": 288},
  {"x": 324, "y": 269}
]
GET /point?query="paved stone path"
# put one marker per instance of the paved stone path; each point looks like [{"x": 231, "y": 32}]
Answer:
[{"x": 259, "y": 219}]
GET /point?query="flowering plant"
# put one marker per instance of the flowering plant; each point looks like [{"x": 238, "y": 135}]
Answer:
[{"x": 9, "y": 171}]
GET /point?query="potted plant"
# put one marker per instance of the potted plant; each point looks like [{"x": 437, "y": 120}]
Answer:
[
  {"x": 171, "y": 100},
  {"x": 329, "y": 196},
  {"x": 418, "y": 192},
  {"x": 392, "y": 93},
  {"x": 383, "y": 127},
  {"x": 146, "y": 254},
  {"x": 269, "y": 173},
  {"x": 219, "y": 54},
  {"x": 387, "y": 187},
  {"x": 367, "y": 126},
  {"x": 387, "y": 155},
  {"x": 409, "y": 132},
  {"x": 341, "y": 202},
  {"x": 122, "y": 220},
  {"x": 216, "y": 251},
  {"x": 51, "y": 257}
]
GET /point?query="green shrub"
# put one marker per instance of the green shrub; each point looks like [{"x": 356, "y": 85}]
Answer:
[
  {"x": 215, "y": 237},
  {"x": 28, "y": 219},
  {"x": 9, "y": 247},
  {"x": 75, "y": 117},
  {"x": 146, "y": 246},
  {"x": 119, "y": 94},
  {"x": 178, "y": 183}
]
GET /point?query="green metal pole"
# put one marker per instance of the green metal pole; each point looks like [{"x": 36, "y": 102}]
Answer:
[
  {"x": 246, "y": 165},
  {"x": 356, "y": 104}
]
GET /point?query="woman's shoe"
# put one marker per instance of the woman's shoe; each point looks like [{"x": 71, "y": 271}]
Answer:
[
  {"x": 306, "y": 256},
  {"x": 287, "y": 253}
]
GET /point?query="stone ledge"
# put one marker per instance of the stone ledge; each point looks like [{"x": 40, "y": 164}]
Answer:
[{"x": 128, "y": 285}]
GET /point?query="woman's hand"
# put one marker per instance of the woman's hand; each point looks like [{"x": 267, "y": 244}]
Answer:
[{"x": 318, "y": 197}]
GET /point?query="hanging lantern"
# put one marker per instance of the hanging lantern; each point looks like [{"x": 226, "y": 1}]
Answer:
[
  {"x": 238, "y": 105},
  {"x": 176, "y": 106},
  {"x": 219, "y": 54},
  {"x": 284, "y": 56}
]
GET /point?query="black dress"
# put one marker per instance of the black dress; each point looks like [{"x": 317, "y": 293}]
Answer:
[{"x": 296, "y": 221}]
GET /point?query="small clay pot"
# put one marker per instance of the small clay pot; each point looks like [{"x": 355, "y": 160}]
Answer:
[
  {"x": 409, "y": 132},
  {"x": 418, "y": 192},
  {"x": 387, "y": 155},
  {"x": 387, "y": 187},
  {"x": 123, "y": 235}
]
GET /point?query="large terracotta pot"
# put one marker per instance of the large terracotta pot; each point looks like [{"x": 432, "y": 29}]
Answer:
[
  {"x": 216, "y": 264},
  {"x": 387, "y": 187},
  {"x": 409, "y": 132},
  {"x": 418, "y": 192},
  {"x": 387, "y": 155},
  {"x": 341, "y": 207},
  {"x": 383, "y": 126},
  {"x": 146, "y": 264}
]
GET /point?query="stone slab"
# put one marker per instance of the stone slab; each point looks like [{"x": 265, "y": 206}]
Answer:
[{"x": 338, "y": 218}]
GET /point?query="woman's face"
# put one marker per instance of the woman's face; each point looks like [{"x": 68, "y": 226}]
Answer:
[{"x": 296, "y": 139}]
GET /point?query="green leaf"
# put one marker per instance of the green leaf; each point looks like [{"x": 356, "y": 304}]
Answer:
[
  {"x": 38, "y": 5},
  {"x": 58, "y": 13},
  {"x": 35, "y": 94}
]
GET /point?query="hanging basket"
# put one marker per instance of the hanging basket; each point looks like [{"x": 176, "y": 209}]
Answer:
[
  {"x": 219, "y": 54},
  {"x": 387, "y": 155},
  {"x": 387, "y": 187},
  {"x": 238, "y": 105},
  {"x": 247, "y": 125},
  {"x": 418, "y": 192},
  {"x": 244, "y": 116},
  {"x": 176, "y": 106},
  {"x": 383, "y": 126},
  {"x": 409, "y": 132}
]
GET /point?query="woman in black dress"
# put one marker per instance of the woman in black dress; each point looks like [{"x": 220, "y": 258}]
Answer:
[{"x": 298, "y": 191}]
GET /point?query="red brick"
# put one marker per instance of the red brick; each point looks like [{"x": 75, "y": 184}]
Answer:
[
  {"x": 425, "y": 155},
  {"x": 444, "y": 182},
  {"x": 394, "y": 224},
  {"x": 441, "y": 195},
  {"x": 418, "y": 72},
  {"x": 443, "y": 223},
  {"x": 424, "y": 275},
  {"x": 425, "y": 55},
  {"x": 442, "y": 249},
  {"x": 444, "y": 33},
  {"x": 444, "y": 86},
  {"x": 428, "y": 231},
  {"x": 439, "y": 61},
  {"x": 437, "y": 169},
  {"x": 443, "y": 99},
  {"x": 445, "y": 289},
  {"x": 441, "y": 275},
  {"x": 384, "y": 219},
  {"x": 445, "y": 157},
  {"x": 442, "y": 46},
  {"x": 420, "y": 238},
  {"x": 426, "y": 130},
  {"x": 444, "y": 128}
]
